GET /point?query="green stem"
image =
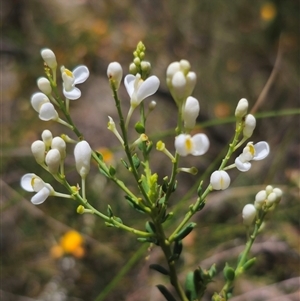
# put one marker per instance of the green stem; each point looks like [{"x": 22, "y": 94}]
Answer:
[
  {"x": 165, "y": 245},
  {"x": 243, "y": 257},
  {"x": 124, "y": 270}
]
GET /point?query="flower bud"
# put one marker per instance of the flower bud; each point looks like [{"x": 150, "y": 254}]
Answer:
[
  {"x": 250, "y": 123},
  {"x": 152, "y": 105},
  {"x": 190, "y": 112},
  {"x": 59, "y": 144},
  {"x": 49, "y": 58},
  {"x": 115, "y": 73},
  {"x": 44, "y": 85},
  {"x": 219, "y": 180},
  {"x": 38, "y": 150},
  {"x": 82, "y": 154},
  {"x": 260, "y": 198},
  {"x": 271, "y": 199},
  {"x": 278, "y": 193},
  {"x": 269, "y": 189},
  {"x": 47, "y": 138},
  {"x": 53, "y": 160},
  {"x": 241, "y": 108},
  {"x": 249, "y": 213}
]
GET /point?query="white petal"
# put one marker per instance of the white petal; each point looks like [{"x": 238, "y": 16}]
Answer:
[
  {"x": 219, "y": 180},
  {"x": 262, "y": 150},
  {"x": 180, "y": 144},
  {"x": 26, "y": 181},
  {"x": 172, "y": 69},
  {"x": 129, "y": 83},
  {"x": 242, "y": 166},
  {"x": 81, "y": 74},
  {"x": 40, "y": 196},
  {"x": 73, "y": 94},
  {"x": 38, "y": 99},
  {"x": 148, "y": 87},
  {"x": 47, "y": 112},
  {"x": 201, "y": 144}
]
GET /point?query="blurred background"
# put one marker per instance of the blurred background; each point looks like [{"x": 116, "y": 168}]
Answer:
[{"x": 238, "y": 49}]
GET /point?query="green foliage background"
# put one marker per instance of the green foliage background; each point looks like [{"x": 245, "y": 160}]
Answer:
[{"x": 233, "y": 48}]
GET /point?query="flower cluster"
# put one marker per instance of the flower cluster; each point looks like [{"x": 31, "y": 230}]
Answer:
[
  {"x": 246, "y": 123},
  {"x": 50, "y": 153},
  {"x": 264, "y": 201}
]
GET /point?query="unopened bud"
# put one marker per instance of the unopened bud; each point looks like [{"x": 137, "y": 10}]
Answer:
[
  {"x": 241, "y": 108},
  {"x": 38, "y": 150},
  {"x": 249, "y": 213},
  {"x": 115, "y": 72},
  {"x": 49, "y": 58},
  {"x": 250, "y": 123},
  {"x": 53, "y": 160},
  {"x": 44, "y": 85}
]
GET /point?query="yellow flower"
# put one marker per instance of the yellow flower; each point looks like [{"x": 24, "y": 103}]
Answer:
[
  {"x": 70, "y": 243},
  {"x": 268, "y": 11}
]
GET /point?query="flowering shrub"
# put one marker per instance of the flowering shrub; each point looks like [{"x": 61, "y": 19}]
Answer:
[{"x": 152, "y": 196}]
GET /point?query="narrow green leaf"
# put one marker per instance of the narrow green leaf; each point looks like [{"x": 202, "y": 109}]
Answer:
[
  {"x": 159, "y": 269},
  {"x": 165, "y": 292},
  {"x": 185, "y": 231}
]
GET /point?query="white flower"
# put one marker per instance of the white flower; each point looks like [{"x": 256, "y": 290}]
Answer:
[
  {"x": 41, "y": 103},
  {"x": 249, "y": 213},
  {"x": 115, "y": 72},
  {"x": 44, "y": 85},
  {"x": 32, "y": 183},
  {"x": 250, "y": 124},
  {"x": 82, "y": 154},
  {"x": 255, "y": 152},
  {"x": 70, "y": 79},
  {"x": 219, "y": 180},
  {"x": 139, "y": 89},
  {"x": 241, "y": 108},
  {"x": 38, "y": 99},
  {"x": 49, "y": 58},
  {"x": 53, "y": 159},
  {"x": 48, "y": 112},
  {"x": 196, "y": 145},
  {"x": 190, "y": 112},
  {"x": 38, "y": 150}
]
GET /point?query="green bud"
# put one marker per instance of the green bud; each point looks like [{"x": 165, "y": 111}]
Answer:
[
  {"x": 249, "y": 264},
  {"x": 229, "y": 273},
  {"x": 80, "y": 209},
  {"x": 139, "y": 128}
]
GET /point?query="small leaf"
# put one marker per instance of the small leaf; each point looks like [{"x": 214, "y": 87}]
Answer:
[
  {"x": 112, "y": 171},
  {"x": 133, "y": 204},
  {"x": 249, "y": 264},
  {"x": 150, "y": 227},
  {"x": 109, "y": 211},
  {"x": 185, "y": 231},
  {"x": 229, "y": 273},
  {"x": 165, "y": 292},
  {"x": 167, "y": 217},
  {"x": 177, "y": 247},
  {"x": 136, "y": 161},
  {"x": 125, "y": 164},
  {"x": 159, "y": 269},
  {"x": 190, "y": 289}
]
